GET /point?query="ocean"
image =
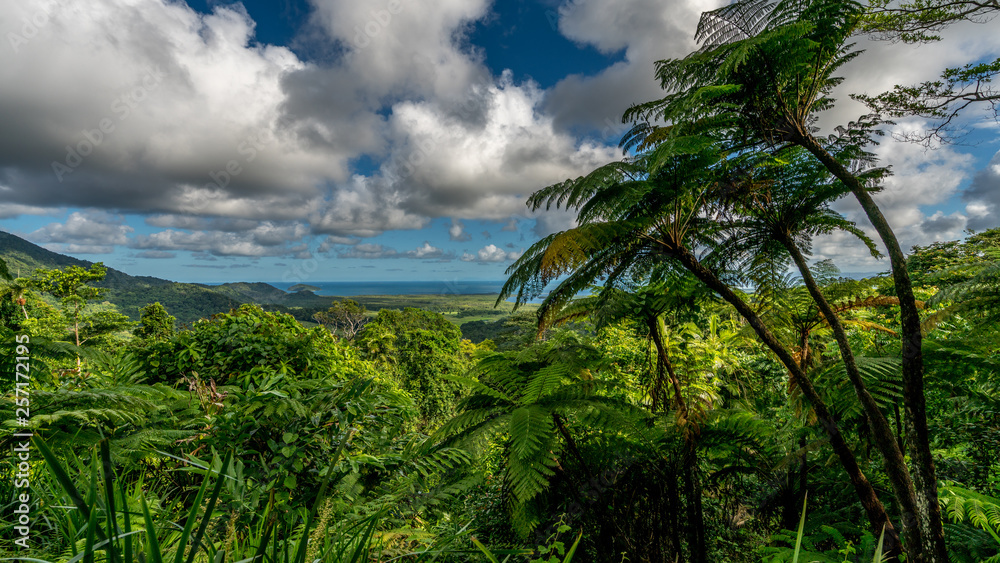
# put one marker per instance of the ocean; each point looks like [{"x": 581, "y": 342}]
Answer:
[{"x": 349, "y": 289}]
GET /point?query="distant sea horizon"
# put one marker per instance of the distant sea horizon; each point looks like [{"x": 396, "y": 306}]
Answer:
[{"x": 354, "y": 288}]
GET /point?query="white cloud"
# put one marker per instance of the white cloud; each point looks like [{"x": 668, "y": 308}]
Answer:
[
  {"x": 87, "y": 232},
  {"x": 265, "y": 239},
  {"x": 922, "y": 178},
  {"x": 13, "y": 210},
  {"x": 239, "y": 148},
  {"x": 155, "y": 254},
  {"x": 647, "y": 31},
  {"x": 491, "y": 253},
  {"x": 372, "y": 251},
  {"x": 457, "y": 231}
]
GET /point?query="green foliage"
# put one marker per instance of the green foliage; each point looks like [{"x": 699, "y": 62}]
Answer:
[
  {"x": 953, "y": 262},
  {"x": 920, "y": 20},
  {"x": 155, "y": 322},
  {"x": 248, "y": 344},
  {"x": 979, "y": 510},
  {"x": 841, "y": 550},
  {"x": 531, "y": 398},
  {"x": 71, "y": 282},
  {"x": 422, "y": 349}
]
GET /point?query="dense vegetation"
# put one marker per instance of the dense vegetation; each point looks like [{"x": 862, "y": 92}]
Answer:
[{"x": 651, "y": 409}]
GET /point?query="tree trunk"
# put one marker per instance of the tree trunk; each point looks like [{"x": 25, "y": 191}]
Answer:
[
  {"x": 673, "y": 510},
  {"x": 695, "y": 513},
  {"x": 885, "y": 440},
  {"x": 928, "y": 515},
  {"x": 877, "y": 517},
  {"x": 656, "y": 331}
]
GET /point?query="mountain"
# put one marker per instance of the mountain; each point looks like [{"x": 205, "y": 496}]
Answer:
[
  {"x": 186, "y": 301},
  {"x": 192, "y": 301}
]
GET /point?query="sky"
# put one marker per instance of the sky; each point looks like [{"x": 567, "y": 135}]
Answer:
[{"x": 349, "y": 140}]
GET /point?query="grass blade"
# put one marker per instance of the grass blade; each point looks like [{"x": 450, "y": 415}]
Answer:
[
  {"x": 211, "y": 506},
  {"x": 127, "y": 523},
  {"x": 572, "y": 550},
  {"x": 878, "y": 550},
  {"x": 802, "y": 525},
  {"x": 109, "y": 492},
  {"x": 155, "y": 556},
  {"x": 88, "y": 547},
  {"x": 189, "y": 523},
  {"x": 485, "y": 551},
  {"x": 64, "y": 480},
  {"x": 300, "y": 551}
]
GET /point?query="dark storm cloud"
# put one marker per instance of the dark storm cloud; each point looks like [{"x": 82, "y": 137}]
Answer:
[
  {"x": 940, "y": 224},
  {"x": 983, "y": 197}
]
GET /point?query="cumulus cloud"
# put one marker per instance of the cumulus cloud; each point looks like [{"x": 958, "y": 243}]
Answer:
[
  {"x": 87, "y": 232},
  {"x": 237, "y": 148},
  {"x": 331, "y": 241},
  {"x": 265, "y": 239},
  {"x": 940, "y": 226},
  {"x": 457, "y": 231},
  {"x": 427, "y": 252},
  {"x": 150, "y": 106},
  {"x": 154, "y": 107},
  {"x": 13, "y": 210},
  {"x": 442, "y": 165},
  {"x": 922, "y": 178},
  {"x": 491, "y": 253},
  {"x": 647, "y": 31}
]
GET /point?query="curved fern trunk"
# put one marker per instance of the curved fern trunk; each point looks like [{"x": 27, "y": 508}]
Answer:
[
  {"x": 877, "y": 516},
  {"x": 928, "y": 515},
  {"x": 882, "y": 432},
  {"x": 656, "y": 332}
]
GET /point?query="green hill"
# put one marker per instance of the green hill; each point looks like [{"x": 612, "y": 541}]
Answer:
[
  {"x": 192, "y": 301},
  {"x": 186, "y": 301}
]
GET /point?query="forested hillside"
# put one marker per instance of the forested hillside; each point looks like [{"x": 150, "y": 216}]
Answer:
[{"x": 188, "y": 302}]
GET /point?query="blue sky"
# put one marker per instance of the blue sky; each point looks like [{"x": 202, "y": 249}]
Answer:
[{"x": 382, "y": 140}]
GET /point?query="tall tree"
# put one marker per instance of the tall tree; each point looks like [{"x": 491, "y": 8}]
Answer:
[
  {"x": 155, "y": 322},
  {"x": 71, "y": 287},
  {"x": 763, "y": 74},
  {"x": 787, "y": 204},
  {"x": 631, "y": 221},
  {"x": 12, "y": 296},
  {"x": 345, "y": 316}
]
